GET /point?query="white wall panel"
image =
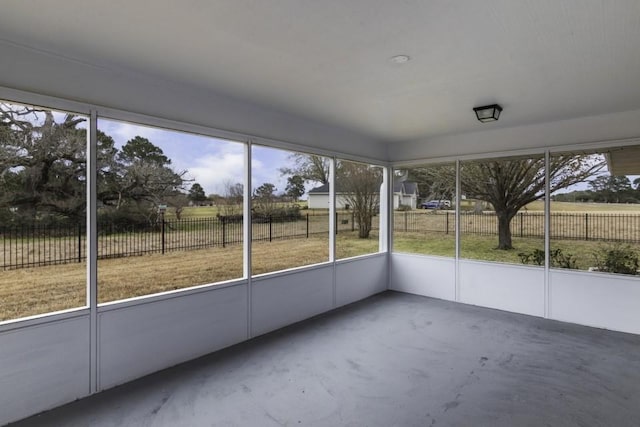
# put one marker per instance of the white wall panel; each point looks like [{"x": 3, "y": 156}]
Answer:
[
  {"x": 595, "y": 299},
  {"x": 141, "y": 339},
  {"x": 360, "y": 278},
  {"x": 507, "y": 287},
  {"x": 423, "y": 275},
  {"x": 43, "y": 366},
  {"x": 286, "y": 298}
]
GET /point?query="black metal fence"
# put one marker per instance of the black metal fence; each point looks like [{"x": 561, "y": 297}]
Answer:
[
  {"x": 31, "y": 246},
  {"x": 619, "y": 227},
  {"x": 38, "y": 245}
]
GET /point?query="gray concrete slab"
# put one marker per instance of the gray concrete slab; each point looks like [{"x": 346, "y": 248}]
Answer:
[{"x": 391, "y": 360}]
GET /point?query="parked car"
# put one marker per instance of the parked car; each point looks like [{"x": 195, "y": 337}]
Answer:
[{"x": 436, "y": 204}]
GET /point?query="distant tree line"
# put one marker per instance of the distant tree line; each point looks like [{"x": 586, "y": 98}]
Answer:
[{"x": 605, "y": 189}]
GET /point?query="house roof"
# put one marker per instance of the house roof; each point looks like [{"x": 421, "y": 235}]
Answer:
[
  {"x": 405, "y": 187},
  {"x": 323, "y": 189}
]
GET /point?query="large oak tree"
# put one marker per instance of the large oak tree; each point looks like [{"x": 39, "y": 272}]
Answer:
[{"x": 511, "y": 184}]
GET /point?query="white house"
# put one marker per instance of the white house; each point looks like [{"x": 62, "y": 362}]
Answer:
[
  {"x": 319, "y": 198},
  {"x": 404, "y": 193}
]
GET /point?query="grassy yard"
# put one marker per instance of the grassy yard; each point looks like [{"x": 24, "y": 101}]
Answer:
[
  {"x": 471, "y": 246},
  {"x": 484, "y": 247},
  {"x": 586, "y": 207},
  {"x": 30, "y": 291}
]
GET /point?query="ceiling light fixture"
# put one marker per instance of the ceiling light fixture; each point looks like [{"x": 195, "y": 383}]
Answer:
[
  {"x": 488, "y": 113},
  {"x": 400, "y": 59}
]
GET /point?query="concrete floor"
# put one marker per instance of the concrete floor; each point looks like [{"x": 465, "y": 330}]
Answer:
[{"x": 391, "y": 360}]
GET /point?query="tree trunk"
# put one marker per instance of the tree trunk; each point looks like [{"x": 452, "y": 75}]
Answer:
[
  {"x": 504, "y": 230},
  {"x": 364, "y": 226}
]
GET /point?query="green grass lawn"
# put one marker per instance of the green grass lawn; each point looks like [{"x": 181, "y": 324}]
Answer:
[
  {"x": 484, "y": 247},
  {"x": 471, "y": 246}
]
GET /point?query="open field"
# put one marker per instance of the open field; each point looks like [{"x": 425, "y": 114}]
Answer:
[
  {"x": 31, "y": 291},
  {"x": 212, "y": 211},
  {"x": 585, "y": 207}
]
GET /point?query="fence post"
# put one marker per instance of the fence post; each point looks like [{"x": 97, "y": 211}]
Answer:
[
  {"x": 162, "y": 231},
  {"x": 224, "y": 232},
  {"x": 307, "y": 225},
  {"x": 406, "y": 228},
  {"x": 270, "y": 226},
  {"x": 336, "y": 223},
  {"x": 353, "y": 221},
  {"x": 586, "y": 226},
  {"x": 446, "y": 231},
  {"x": 521, "y": 225}
]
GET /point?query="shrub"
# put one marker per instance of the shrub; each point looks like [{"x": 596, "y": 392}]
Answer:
[
  {"x": 277, "y": 214},
  {"x": 557, "y": 258},
  {"x": 403, "y": 208},
  {"x": 617, "y": 258},
  {"x": 126, "y": 219},
  {"x": 536, "y": 257}
]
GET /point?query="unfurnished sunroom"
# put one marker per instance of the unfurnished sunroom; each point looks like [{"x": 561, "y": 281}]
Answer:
[{"x": 158, "y": 167}]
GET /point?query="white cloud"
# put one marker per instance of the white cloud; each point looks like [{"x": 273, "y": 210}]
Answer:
[{"x": 212, "y": 171}]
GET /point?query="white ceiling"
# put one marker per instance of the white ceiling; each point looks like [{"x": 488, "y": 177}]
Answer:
[{"x": 329, "y": 60}]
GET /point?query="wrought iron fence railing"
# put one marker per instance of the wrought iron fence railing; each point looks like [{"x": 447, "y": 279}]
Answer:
[{"x": 39, "y": 245}]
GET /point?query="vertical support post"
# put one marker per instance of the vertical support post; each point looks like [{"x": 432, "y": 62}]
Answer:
[
  {"x": 385, "y": 211},
  {"x": 457, "y": 231},
  {"x": 307, "y": 225},
  {"x": 406, "y": 225},
  {"x": 547, "y": 235},
  {"x": 333, "y": 229},
  {"x": 353, "y": 221},
  {"x": 270, "y": 227},
  {"x": 387, "y": 222},
  {"x": 247, "y": 225},
  {"x": 92, "y": 248}
]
